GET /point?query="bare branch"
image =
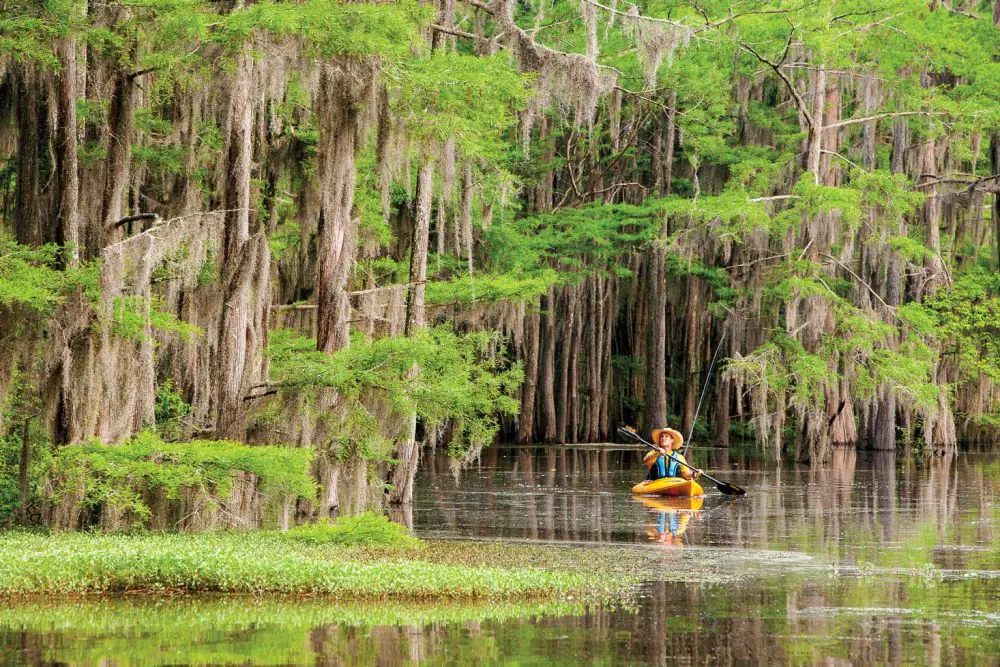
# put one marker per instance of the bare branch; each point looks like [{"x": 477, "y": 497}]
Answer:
[
  {"x": 459, "y": 33},
  {"x": 891, "y": 114},
  {"x": 836, "y": 154},
  {"x": 859, "y": 279},
  {"x": 776, "y": 66},
  {"x": 774, "y": 198}
]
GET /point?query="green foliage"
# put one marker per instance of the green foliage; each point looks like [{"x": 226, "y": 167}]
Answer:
[
  {"x": 331, "y": 28},
  {"x": 575, "y": 242},
  {"x": 435, "y": 373},
  {"x": 116, "y": 476},
  {"x": 731, "y": 213},
  {"x": 368, "y": 529},
  {"x": 170, "y": 410},
  {"x": 131, "y": 315},
  {"x": 33, "y": 278},
  {"x": 26, "y": 33},
  {"x": 966, "y": 314},
  {"x": 469, "y": 99},
  {"x": 491, "y": 288}
]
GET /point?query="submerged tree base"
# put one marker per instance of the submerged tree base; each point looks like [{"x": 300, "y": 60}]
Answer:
[{"x": 270, "y": 563}]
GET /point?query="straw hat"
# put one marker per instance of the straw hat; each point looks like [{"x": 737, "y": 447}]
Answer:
[{"x": 678, "y": 438}]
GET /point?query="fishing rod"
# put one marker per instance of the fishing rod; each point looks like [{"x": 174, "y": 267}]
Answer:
[
  {"x": 725, "y": 487},
  {"x": 708, "y": 380}
]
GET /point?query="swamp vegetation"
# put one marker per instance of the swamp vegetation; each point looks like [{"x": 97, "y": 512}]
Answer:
[
  {"x": 358, "y": 228},
  {"x": 268, "y": 264}
]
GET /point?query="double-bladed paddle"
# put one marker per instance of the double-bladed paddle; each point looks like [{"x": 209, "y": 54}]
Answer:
[{"x": 724, "y": 487}]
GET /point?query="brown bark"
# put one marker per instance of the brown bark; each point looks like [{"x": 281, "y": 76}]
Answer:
[
  {"x": 466, "y": 214},
  {"x": 338, "y": 229},
  {"x": 30, "y": 200},
  {"x": 418, "y": 257},
  {"x": 562, "y": 398},
  {"x": 66, "y": 151},
  {"x": 245, "y": 262},
  {"x": 547, "y": 367},
  {"x": 597, "y": 370},
  {"x": 900, "y": 141},
  {"x": 121, "y": 133},
  {"x": 869, "y": 102},
  {"x": 691, "y": 369},
  {"x": 405, "y": 470},
  {"x": 574, "y": 368},
  {"x": 933, "y": 267},
  {"x": 671, "y": 141},
  {"x": 526, "y": 420},
  {"x": 815, "y": 129},
  {"x": 23, "y": 467},
  {"x": 656, "y": 339},
  {"x": 657, "y": 165},
  {"x": 610, "y": 312}
]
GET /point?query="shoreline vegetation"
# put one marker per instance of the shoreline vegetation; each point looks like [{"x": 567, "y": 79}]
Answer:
[{"x": 303, "y": 563}]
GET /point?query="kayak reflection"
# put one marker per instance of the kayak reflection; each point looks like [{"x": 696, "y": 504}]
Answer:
[{"x": 669, "y": 518}]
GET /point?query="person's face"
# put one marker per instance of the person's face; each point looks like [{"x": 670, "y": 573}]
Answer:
[{"x": 667, "y": 441}]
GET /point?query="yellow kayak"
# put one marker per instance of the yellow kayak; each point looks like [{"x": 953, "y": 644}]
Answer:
[
  {"x": 669, "y": 486},
  {"x": 672, "y": 504}
]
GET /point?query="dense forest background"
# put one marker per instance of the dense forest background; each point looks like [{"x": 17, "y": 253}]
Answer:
[{"x": 341, "y": 231}]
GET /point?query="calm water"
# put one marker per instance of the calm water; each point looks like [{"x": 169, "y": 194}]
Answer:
[{"x": 871, "y": 560}]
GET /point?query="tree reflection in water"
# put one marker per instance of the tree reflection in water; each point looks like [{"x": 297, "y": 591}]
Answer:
[{"x": 874, "y": 559}]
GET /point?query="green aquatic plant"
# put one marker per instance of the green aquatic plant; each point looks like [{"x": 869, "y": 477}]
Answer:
[
  {"x": 368, "y": 529},
  {"x": 266, "y": 562}
]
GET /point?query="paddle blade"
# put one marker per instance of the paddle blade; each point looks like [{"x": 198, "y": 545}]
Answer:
[
  {"x": 629, "y": 432},
  {"x": 730, "y": 489}
]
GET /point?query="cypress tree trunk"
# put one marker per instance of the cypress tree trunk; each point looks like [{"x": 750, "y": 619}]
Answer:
[
  {"x": 668, "y": 158},
  {"x": 466, "y": 215},
  {"x": 245, "y": 267},
  {"x": 656, "y": 339},
  {"x": 932, "y": 223},
  {"x": 526, "y": 420},
  {"x": 566, "y": 348},
  {"x": 815, "y": 130},
  {"x": 409, "y": 449},
  {"x": 121, "y": 132},
  {"x": 337, "y": 230},
  {"x": 610, "y": 312},
  {"x": 691, "y": 356},
  {"x": 66, "y": 150},
  {"x": 574, "y": 368},
  {"x": 547, "y": 367},
  {"x": 33, "y": 134},
  {"x": 421, "y": 239}
]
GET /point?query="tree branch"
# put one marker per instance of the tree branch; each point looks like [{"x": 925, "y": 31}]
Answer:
[
  {"x": 134, "y": 218},
  {"x": 776, "y": 66},
  {"x": 890, "y": 114},
  {"x": 459, "y": 33},
  {"x": 860, "y": 280}
]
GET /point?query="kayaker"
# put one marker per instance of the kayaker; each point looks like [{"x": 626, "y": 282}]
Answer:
[{"x": 661, "y": 466}]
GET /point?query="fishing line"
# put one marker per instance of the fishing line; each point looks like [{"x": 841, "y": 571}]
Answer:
[{"x": 708, "y": 381}]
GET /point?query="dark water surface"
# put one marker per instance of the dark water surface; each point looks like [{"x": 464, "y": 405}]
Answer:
[{"x": 870, "y": 560}]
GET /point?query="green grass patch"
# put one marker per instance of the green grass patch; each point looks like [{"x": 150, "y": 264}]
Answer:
[
  {"x": 268, "y": 562},
  {"x": 365, "y": 529}
]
